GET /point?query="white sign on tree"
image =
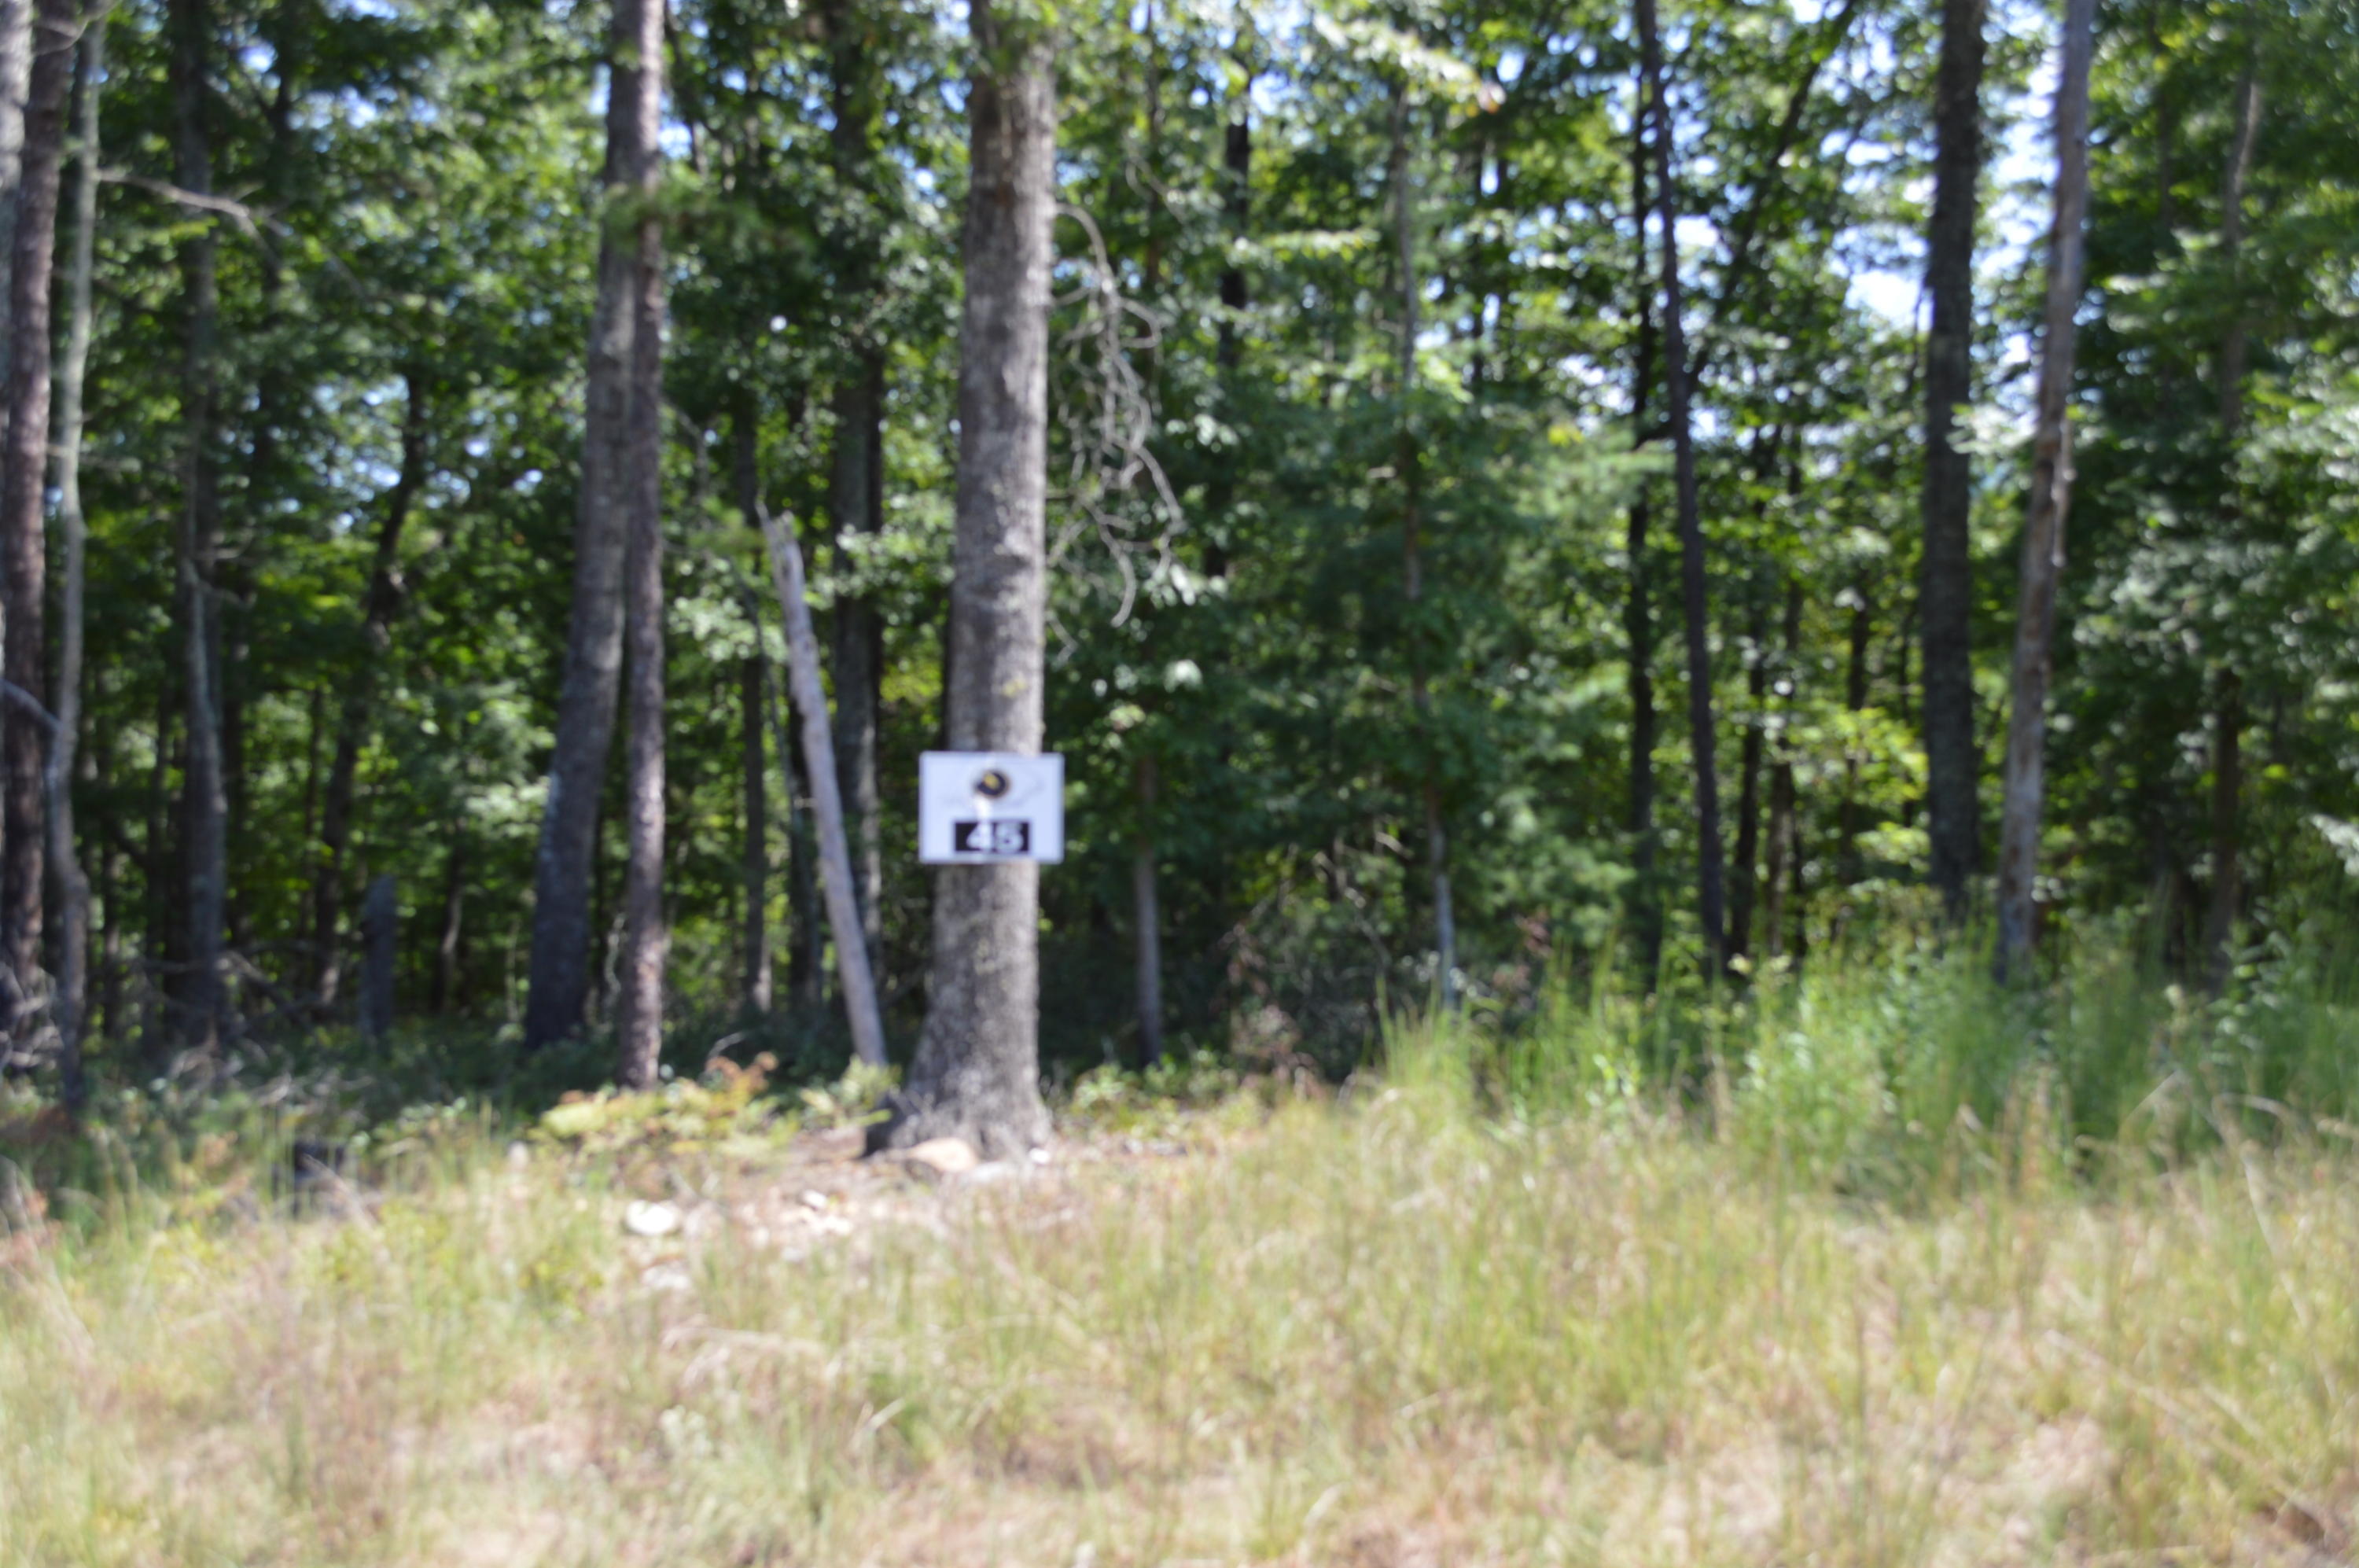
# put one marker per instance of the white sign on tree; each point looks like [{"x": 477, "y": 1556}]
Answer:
[{"x": 978, "y": 808}]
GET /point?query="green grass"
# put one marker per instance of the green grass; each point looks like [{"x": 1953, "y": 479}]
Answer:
[{"x": 1887, "y": 1269}]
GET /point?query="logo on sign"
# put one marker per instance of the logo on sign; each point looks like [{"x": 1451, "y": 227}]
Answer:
[{"x": 998, "y": 837}]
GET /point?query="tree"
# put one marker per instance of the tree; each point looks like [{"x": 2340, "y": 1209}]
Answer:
[
  {"x": 593, "y": 649},
  {"x": 646, "y": 937},
  {"x": 205, "y": 809},
  {"x": 70, "y": 1004},
  {"x": 23, "y": 484},
  {"x": 1710, "y": 867},
  {"x": 2051, "y": 491},
  {"x": 1945, "y": 589},
  {"x": 977, "y": 1072}
]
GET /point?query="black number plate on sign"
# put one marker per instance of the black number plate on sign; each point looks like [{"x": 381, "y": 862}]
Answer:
[{"x": 1002, "y": 836}]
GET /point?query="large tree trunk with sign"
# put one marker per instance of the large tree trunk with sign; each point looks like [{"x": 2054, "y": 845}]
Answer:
[{"x": 977, "y": 1072}]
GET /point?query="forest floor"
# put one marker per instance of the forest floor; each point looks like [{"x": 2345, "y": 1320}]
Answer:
[{"x": 1385, "y": 1333}]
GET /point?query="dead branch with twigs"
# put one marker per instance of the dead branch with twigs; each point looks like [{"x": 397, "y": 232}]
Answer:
[{"x": 1115, "y": 491}]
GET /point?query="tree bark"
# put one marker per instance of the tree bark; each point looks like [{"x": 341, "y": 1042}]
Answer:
[
  {"x": 1748, "y": 793},
  {"x": 378, "y": 611},
  {"x": 17, "y": 20},
  {"x": 1147, "y": 918},
  {"x": 380, "y": 954},
  {"x": 450, "y": 948},
  {"x": 23, "y": 484},
  {"x": 856, "y": 477},
  {"x": 1784, "y": 847},
  {"x": 2228, "y": 711},
  {"x": 205, "y": 805},
  {"x": 1710, "y": 867},
  {"x": 753, "y": 936},
  {"x": 2052, "y": 487},
  {"x": 1862, "y": 626},
  {"x": 858, "y": 980},
  {"x": 1639, "y": 606},
  {"x": 1945, "y": 589},
  {"x": 562, "y": 869},
  {"x": 977, "y": 1070},
  {"x": 1411, "y": 465},
  {"x": 68, "y": 1004},
  {"x": 646, "y": 936}
]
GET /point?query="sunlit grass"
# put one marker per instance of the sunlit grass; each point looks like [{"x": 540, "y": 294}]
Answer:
[{"x": 1393, "y": 1330}]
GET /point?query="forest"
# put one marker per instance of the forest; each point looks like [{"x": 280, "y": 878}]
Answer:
[
  {"x": 1703, "y": 656},
  {"x": 1492, "y": 531}
]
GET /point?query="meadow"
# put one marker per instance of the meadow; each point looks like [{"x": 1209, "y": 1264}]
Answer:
[{"x": 1881, "y": 1267}]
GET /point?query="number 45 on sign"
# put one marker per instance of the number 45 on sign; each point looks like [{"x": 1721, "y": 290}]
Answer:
[{"x": 979, "y": 808}]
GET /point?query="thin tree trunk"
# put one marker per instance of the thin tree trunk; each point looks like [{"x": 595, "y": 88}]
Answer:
[
  {"x": 1945, "y": 591},
  {"x": 819, "y": 761},
  {"x": 1147, "y": 918},
  {"x": 977, "y": 1070},
  {"x": 755, "y": 935},
  {"x": 205, "y": 812},
  {"x": 2228, "y": 711},
  {"x": 1639, "y": 606},
  {"x": 16, "y": 25},
  {"x": 69, "y": 1006},
  {"x": 382, "y": 604},
  {"x": 559, "y": 973},
  {"x": 2051, "y": 488},
  {"x": 1710, "y": 867},
  {"x": 1784, "y": 846},
  {"x": 23, "y": 484},
  {"x": 807, "y": 954},
  {"x": 1748, "y": 793},
  {"x": 1236, "y": 180},
  {"x": 1411, "y": 463},
  {"x": 646, "y": 936},
  {"x": 448, "y": 946},
  {"x": 380, "y": 954},
  {"x": 1855, "y": 701},
  {"x": 855, "y": 487}
]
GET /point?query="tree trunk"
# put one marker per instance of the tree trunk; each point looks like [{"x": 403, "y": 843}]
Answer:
[
  {"x": 562, "y": 868},
  {"x": 976, "y": 1074},
  {"x": 382, "y": 604},
  {"x": 1785, "y": 848},
  {"x": 755, "y": 936},
  {"x": 23, "y": 484},
  {"x": 450, "y": 947},
  {"x": 2051, "y": 488},
  {"x": 646, "y": 937},
  {"x": 855, "y": 478},
  {"x": 2228, "y": 711},
  {"x": 1639, "y": 607},
  {"x": 205, "y": 807},
  {"x": 1236, "y": 180},
  {"x": 819, "y": 762},
  {"x": 1855, "y": 701},
  {"x": 17, "y": 19},
  {"x": 1945, "y": 591},
  {"x": 68, "y": 1006},
  {"x": 807, "y": 954},
  {"x": 1411, "y": 465},
  {"x": 380, "y": 954},
  {"x": 1147, "y": 918},
  {"x": 1710, "y": 868},
  {"x": 1748, "y": 793}
]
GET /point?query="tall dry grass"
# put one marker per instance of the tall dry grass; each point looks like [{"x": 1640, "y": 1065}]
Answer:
[{"x": 1403, "y": 1330}]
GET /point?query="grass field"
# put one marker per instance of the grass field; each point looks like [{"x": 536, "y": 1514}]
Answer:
[{"x": 1406, "y": 1328}]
